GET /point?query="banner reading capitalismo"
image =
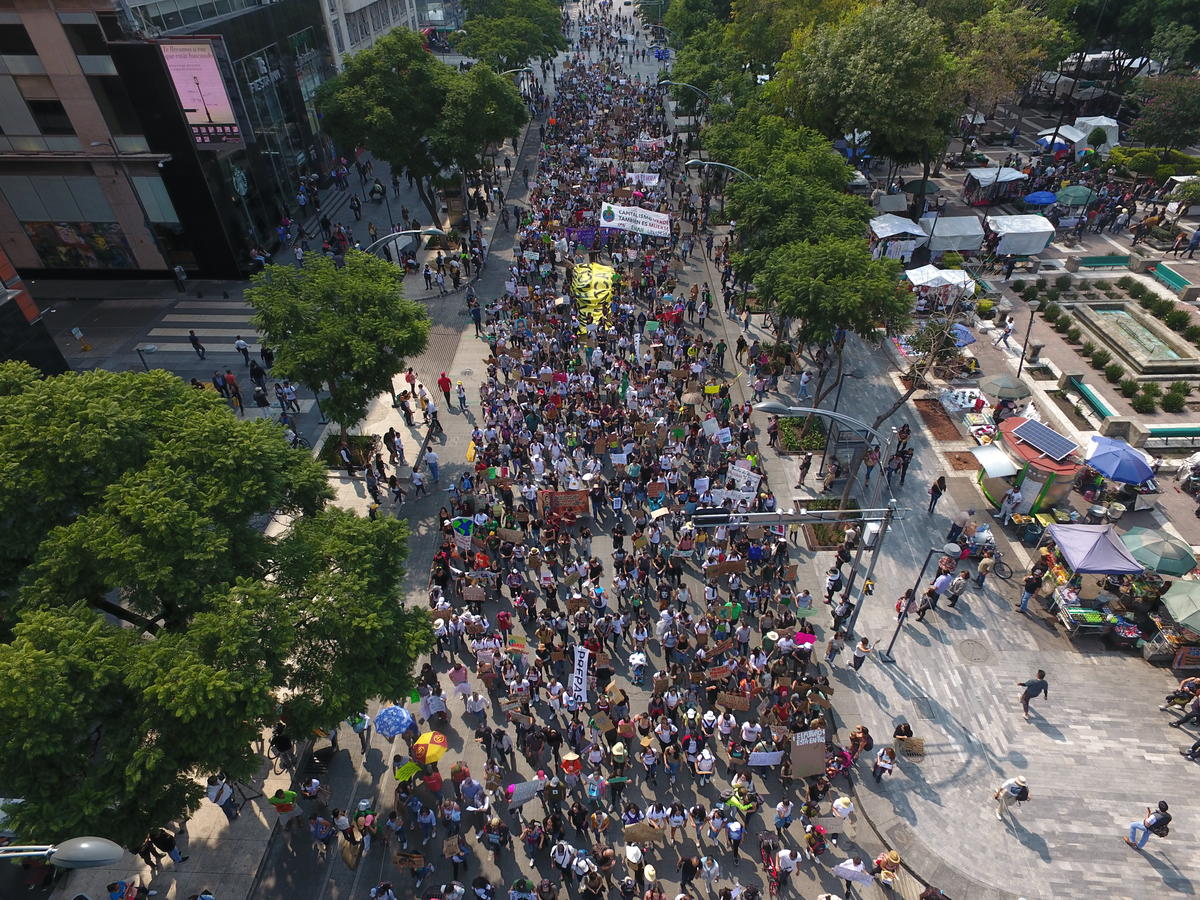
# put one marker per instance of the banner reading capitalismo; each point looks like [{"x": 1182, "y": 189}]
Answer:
[
  {"x": 591, "y": 284},
  {"x": 634, "y": 218}
]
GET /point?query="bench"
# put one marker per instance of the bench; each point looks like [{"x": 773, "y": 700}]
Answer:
[
  {"x": 1092, "y": 399},
  {"x": 1169, "y": 277},
  {"x": 1114, "y": 261}
]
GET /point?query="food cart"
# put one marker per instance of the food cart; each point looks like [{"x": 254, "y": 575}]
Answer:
[
  {"x": 1046, "y": 467},
  {"x": 1078, "y": 602},
  {"x": 986, "y": 187}
]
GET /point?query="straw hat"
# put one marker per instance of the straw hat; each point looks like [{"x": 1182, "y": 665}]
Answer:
[
  {"x": 1021, "y": 780},
  {"x": 893, "y": 857},
  {"x": 570, "y": 756}
]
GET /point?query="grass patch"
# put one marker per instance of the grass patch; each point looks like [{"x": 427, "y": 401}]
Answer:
[{"x": 792, "y": 427}]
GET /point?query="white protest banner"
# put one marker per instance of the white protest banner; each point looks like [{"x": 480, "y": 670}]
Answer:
[
  {"x": 649, "y": 179},
  {"x": 578, "y": 686},
  {"x": 738, "y": 497},
  {"x": 765, "y": 758},
  {"x": 636, "y": 219},
  {"x": 710, "y": 426},
  {"x": 743, "y": 479},
  {"x": 700, "y": 485}
]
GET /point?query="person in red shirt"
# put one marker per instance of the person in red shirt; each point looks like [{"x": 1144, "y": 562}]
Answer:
[{"x": 444, "y": 386}]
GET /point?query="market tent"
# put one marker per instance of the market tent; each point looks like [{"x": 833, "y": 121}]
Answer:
[
  {"x": 1093, "y": 549},
  {"x": 1087, "y": 123},
  {"x": 889, "y": 225},
  {"x": 1182, "y": 601},
  {"x": 1068, "y": 136},
  {"x": 993, "y": 175},
  {"x": 995, "y": 462},
  {"x": 932, "y": 276},
  {"x": 1040, "y": 198},
  {"x": 1021, "y": 235},
  {"x": 953, "y": 233}
]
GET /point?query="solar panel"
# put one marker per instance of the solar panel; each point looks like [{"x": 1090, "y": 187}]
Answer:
[{"x": 1045, "y": 440}]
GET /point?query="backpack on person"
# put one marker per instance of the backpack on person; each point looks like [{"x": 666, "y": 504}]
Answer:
[
  {"x": 1022, "y": 793},
  {"x": 1161, "y": 827}
]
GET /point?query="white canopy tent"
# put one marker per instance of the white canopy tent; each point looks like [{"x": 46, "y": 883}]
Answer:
[
  {"x": 1067, "y": 135},
  {"x": 996, "y": 175},
  {"x": 953, "y": 233},
  {"x": 1111, "y": 128},
  {"x": 932, "y": 276},
  {"x": 890, "y": 225},
  {"x": 1021, "y": 235}
]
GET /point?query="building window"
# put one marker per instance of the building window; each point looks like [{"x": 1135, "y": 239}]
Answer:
[
  {"x": 50, "y": 117},
  {"x": 337, "y": 36},
  {"x": 119, "y": 113},
  {"x": 86, "y": 40},
  {"x": 14, "y": 41}
]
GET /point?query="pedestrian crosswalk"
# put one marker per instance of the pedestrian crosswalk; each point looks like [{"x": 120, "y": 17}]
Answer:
[{"x": 217, "y": 324}]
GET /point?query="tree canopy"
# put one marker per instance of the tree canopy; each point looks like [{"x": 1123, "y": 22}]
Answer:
[
  {"x": 149, "y": 629},
  {"x": 1168, "y": 111},
  {"x": 507, "y": 34},
  {"x": 347, "y": 329}
]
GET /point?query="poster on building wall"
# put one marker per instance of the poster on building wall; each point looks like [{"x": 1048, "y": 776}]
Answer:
[{"x": 201, "y": 90}]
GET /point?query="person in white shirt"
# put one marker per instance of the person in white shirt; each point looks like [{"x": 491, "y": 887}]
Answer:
[{"x": 750, "y": 732}]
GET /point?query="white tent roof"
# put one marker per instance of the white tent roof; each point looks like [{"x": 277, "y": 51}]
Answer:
[
  {"x": 1021, "y": 235},
  {"x": 994, "y": 461},
  {"x": 1068, "y": 133},
  {"x": 1111, "y": 127},
  {"x": 889, "y": 225},
  {"x": 932, "y": 276},
  {"x": 953, "y": 233},
  {"x": 989, "y": 176}
]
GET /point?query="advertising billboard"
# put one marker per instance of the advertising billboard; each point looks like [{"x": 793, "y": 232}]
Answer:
[{"x": 201, "y": 91}]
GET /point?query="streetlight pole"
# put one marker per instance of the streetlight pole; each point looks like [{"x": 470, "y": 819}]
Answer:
[
  {"x": 387, "y": 238},
  {"x": 949, "y": 549},
  {"x": 73, "y": 853},
  {"x": 837, "y": 397},
  {"x": 708, "y": 162},
  {"x": 141, "y": 351},
  {"x": 1025, "y": 343}
]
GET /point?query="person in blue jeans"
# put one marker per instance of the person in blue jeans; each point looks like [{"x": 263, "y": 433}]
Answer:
[
  {"x": 1033, "y": 581},
  {"x": 1153, "y": 822}
]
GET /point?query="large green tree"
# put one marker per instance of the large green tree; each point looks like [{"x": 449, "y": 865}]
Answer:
[
  {"x": 1168, "y": 111},
  {"x": 481, "y": 110},
  {"x": 346, "y": 329},
  {"x": 149, "y": 629},
  {"x": 885, "y": 70},
  {"x": 508, "y": 34}
]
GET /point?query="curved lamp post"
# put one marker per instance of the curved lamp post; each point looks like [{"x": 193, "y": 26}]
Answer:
[
  {"x": 74, "y": 853},
  {"x": 705, "y": 163},
  {"x": 388, "y": 238},
  {"x": 686, "y": 85},
  {"x": 521, "y": 69}
]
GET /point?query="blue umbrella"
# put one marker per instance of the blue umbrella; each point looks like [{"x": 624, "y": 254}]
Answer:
[
  {"x": 1117, "y": 461},
  {"x": 1041, "y": 198},
  {"x": 394, "y": 720}
]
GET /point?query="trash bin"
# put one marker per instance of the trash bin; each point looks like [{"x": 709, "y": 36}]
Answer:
[{"x": 1032, "y": 535}]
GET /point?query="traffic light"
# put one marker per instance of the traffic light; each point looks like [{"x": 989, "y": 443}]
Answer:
[{"x": 711, "y": 517}]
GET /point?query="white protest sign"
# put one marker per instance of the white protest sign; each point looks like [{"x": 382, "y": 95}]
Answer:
[
  {"x": 578, "y": 686},
  {"x": 649, "y": 179},
  {"x": 743, "y": 479},
  {"x": 636, "y": 219},
  {"x": 710, "y": 426},
  {"x": 766, "y": 758}
]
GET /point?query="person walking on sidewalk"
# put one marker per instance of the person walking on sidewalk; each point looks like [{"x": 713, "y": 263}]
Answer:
[
  {"x": 1034, "y": 687},
  {"x": 434, "y": 464},
  {"x": 958, "y": 587},
  {"x": 1155, "y": 822},
  {"x": 196, "y": 345},
  {"x": 935, "y": 491},
  {"x": 1030, "y": 587},
  {"x": 1012, "y": 792},
  {"x": 462, "y": 396},
  {"x": 444, "y": 385},
  {"x": 243, "y": 348}
]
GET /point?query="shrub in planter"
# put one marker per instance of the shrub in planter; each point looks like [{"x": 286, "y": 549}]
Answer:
[
  {"x": 1161, "y": 307},
  {"x": 952, "y": 260},
  {"x": 1138, "y": 290},
  {"x": 1147, "y": 301},
  {"x": 1126, "y": 283},
  {"x": 1088, "y": 348},
  {"x": 1063, "y": 325},
  {"x": 1114, "y": 372},
  {"x": 1051, "y": 311},
  {"x": 1192, "y": 333},
  {"x": 1053, "y": 294},
  {"x": 1102, "y": 285},
  {"x": 985, "y": 309},
  {"x": 1128, "y": 388},
  {"x": 1030, "y": 294},
  {"x": 1041, "y": 283},
  {"x": 1062, "y": 282},
  {"x": 1074, "y": 333},
  {"x": 790, "y": 430},
  {"x": 1174, "y": 403},
  {"x": 1144, "y": 404},
  {"x": 1152, "y": 389},
  {"x": 1180, "y": 387},
  {"x": 1018, "y": 285},
  {"x": 1177, "y": 319},
  {"x": 1101, "y": 358}
]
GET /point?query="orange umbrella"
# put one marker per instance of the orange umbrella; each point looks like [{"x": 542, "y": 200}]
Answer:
[{"x": 430, "y": 747}]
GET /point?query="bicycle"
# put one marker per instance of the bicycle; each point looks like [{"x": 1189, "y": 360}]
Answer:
[
  {"x": 1002, "y": 569},
  {"x": 767, "y": 848}
]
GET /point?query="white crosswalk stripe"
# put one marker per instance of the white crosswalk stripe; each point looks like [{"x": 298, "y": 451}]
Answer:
[{"x": 216, "y": 323}]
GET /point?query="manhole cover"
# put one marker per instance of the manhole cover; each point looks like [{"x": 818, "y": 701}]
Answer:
[
  {"x": 973, "y": 651},
  {"x": 466, "y": 373},
  {"x": 901, "y": 835}
]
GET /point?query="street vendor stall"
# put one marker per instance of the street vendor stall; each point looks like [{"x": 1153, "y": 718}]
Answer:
[
  {"x": 960, "y": 234},
  {"x": 1112, "y": 129},
  {"x": 985, "y": 187},
  {"x": 939, "y": 289},
  {"x": 895, "y": 237},
  {"x": 1178, "y": 638},
  {"x": 1078, "y": 602},
  {"x": 1130, "y": 471},
  {"x": 1068, "y": 140},
  {"x": 1018, "y": 235},
  {"x": 1046, "y": 466}
]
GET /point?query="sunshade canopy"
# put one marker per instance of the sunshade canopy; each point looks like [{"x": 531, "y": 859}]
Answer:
[
  {"x": 1117, "y": 461},
  {"x": 1159, "y": 552},
  {"x": 1004, "y": 387},
  {"x": 994, "y": 461},
  {"x": 932, "y": 276},
  {"x": 1094, "y": 549},
  {"x": 889, "y": 225},
  {"x": 1001, "y": 174},
  {"x": 953, "y": 233},
  {"x": 1182, "y": 601}
]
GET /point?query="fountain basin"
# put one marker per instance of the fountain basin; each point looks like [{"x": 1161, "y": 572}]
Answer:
[{"x": 1138, "y": 340}]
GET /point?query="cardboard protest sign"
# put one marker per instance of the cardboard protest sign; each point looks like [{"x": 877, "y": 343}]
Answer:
[
  {"x": 644, "y": 833},
  {"x": 474, "y": 594},
  {"x": 405, "y": 860},
  {"x": 808, "y": 753},
  {"x": 733, "y": 701},
  {"x": 512, "y": 535}
]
